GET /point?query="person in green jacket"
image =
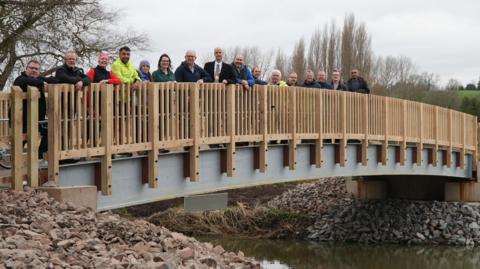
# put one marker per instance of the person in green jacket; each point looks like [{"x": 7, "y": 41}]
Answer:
[
  {"x": 164, "y": 72},
  {"x": 124, "y": 69}
]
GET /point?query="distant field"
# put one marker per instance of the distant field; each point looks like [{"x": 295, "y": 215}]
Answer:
[{"x": 468, "y": 93}]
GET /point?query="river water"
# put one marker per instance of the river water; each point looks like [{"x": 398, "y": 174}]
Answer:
[{"x": 277, "y": 254}]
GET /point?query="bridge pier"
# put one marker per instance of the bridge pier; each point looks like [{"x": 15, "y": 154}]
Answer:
[
  {"x": 414, "y": 188},
  {"x": 462, "y": 191},
  {"x": 367, "y": 189}
]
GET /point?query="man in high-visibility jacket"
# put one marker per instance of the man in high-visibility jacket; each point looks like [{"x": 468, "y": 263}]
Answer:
[{"x": 125, "y": 70}]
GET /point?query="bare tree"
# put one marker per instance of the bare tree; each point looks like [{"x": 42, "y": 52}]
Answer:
[
  {"x": 298, "y": 62},
  {"x": 390, "y": 70},
  {"x": 453, "y": 85},
  {"x": 281, "y": 63},
  {"x": 45, "y": 29},
  {"x": 347, "y": 47},
  {"x": 314, "y": 61},
  {"x": 324, "y": 49},
  {"x": 332, "y": 54},
  {"x": 254, "y": 56},
  {"x": 362, "y": 58},
  {"x": 356, "y": 51}
]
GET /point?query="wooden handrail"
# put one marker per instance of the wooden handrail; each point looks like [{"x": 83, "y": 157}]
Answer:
[{"x": 160, "y": 116}]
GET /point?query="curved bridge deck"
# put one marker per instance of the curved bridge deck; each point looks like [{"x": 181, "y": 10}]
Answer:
[
  {"x": 325, "y": 133},
  {"x": 129, "y": 188}
]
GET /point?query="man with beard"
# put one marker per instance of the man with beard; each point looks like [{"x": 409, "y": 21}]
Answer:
[
  {"x": 242, "y": 73},
  {"x": 125, "y": 70}
]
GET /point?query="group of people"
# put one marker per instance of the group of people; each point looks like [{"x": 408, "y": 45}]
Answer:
[
  {"x": 239, "y": 73},
  {"x": 123, "y": 71}
]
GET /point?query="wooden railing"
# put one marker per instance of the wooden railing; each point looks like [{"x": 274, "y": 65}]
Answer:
[{"x": 102, "y": 120}]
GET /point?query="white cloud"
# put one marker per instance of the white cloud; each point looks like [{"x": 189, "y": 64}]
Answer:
[{"x": 440, "y": 36}]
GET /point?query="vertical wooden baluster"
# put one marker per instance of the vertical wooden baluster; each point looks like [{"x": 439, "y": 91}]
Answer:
[
  {"x": 231, "y": 130},
  {"x": 84, "y": 116},
  {"x": 153, "y": 135},
  {"x": 195, "y": 132},
  {"x": 54, "y": 135},
  {"x": 319, "y": 124},
  {"x": 106, "y": 136},
  {"x": 80, "y": 102},
  {"x": 97, "y": 117},
  {"x": 17, "y": 139}
]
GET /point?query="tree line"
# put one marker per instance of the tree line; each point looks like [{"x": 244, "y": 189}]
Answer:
[{"x": 45, "y": 29}]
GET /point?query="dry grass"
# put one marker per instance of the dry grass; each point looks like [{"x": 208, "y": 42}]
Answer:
[{"x": 240, "y": 220}]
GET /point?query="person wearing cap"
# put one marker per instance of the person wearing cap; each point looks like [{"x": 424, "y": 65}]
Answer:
[
  {"x": 144, "y": 71},
  {"x": 123, "y": 68}
]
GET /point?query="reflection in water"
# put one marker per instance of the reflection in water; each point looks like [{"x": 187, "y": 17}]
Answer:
[{"x": 306, "y": 255}]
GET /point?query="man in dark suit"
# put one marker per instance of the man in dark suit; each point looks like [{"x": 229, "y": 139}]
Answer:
[{"x": 220, "y": 71}]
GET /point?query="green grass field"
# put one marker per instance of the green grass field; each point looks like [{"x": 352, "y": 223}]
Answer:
[{"x": 470, "y": 94}]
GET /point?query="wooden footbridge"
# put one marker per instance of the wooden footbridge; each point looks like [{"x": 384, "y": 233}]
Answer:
[{"x": 189, "y": 138}]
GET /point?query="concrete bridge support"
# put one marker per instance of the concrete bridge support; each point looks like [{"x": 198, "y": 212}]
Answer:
[{"x": 415, "y": 188}]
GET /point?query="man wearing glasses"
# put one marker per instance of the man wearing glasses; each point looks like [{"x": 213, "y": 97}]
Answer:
[
  {"x": 31, "y": 77},
  {"x": 357, "y": 83}
]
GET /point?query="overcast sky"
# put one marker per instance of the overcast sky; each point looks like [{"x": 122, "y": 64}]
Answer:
[{"x": 440, "y": 36}]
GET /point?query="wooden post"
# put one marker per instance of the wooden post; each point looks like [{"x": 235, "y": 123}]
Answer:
[
  {"x": 153, "y": 133},
  {"x": 194, "y": 154},
  {"x": 384, "y": 150},
  {"x": 343, "y": 141},
  {"x": 435, "y": 146},
  {"x": 419, "y": 150},
  {"x": 319, "y": 122},
  {"x": 364, "y": 149},
  {"x": 17, "y": 138},
  {"x": 32, "y": 130},
  {"x": 450, "y": 139},
  {"x": 462, "y": 151},
  {"x": 474, "y": 160},
  {"x": 53, "y": 133},
  {"x": 292, "y": 144},
  {"x": 107, "y": 138},
  {"x": 263, "y": 109},
  {"x": 231, "y": 129},
  {"x": 403, "y": 145}
]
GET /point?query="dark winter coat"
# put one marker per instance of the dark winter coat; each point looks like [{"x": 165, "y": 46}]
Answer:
[{"x": 184, "y": 74}]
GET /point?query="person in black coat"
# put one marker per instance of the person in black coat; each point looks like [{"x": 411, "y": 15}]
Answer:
[
  {"x": 69, "y": 73},
  {"x": 322, "y": 80},
  {"x": 357, "y": 83},
  {"x": 189, "y": 71},
  {"x": 257, "y": 74},
  {"x": 220, "y": 71},
  {"x": 310, "y": 81},
  {"x": 31, "y": 77}
]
